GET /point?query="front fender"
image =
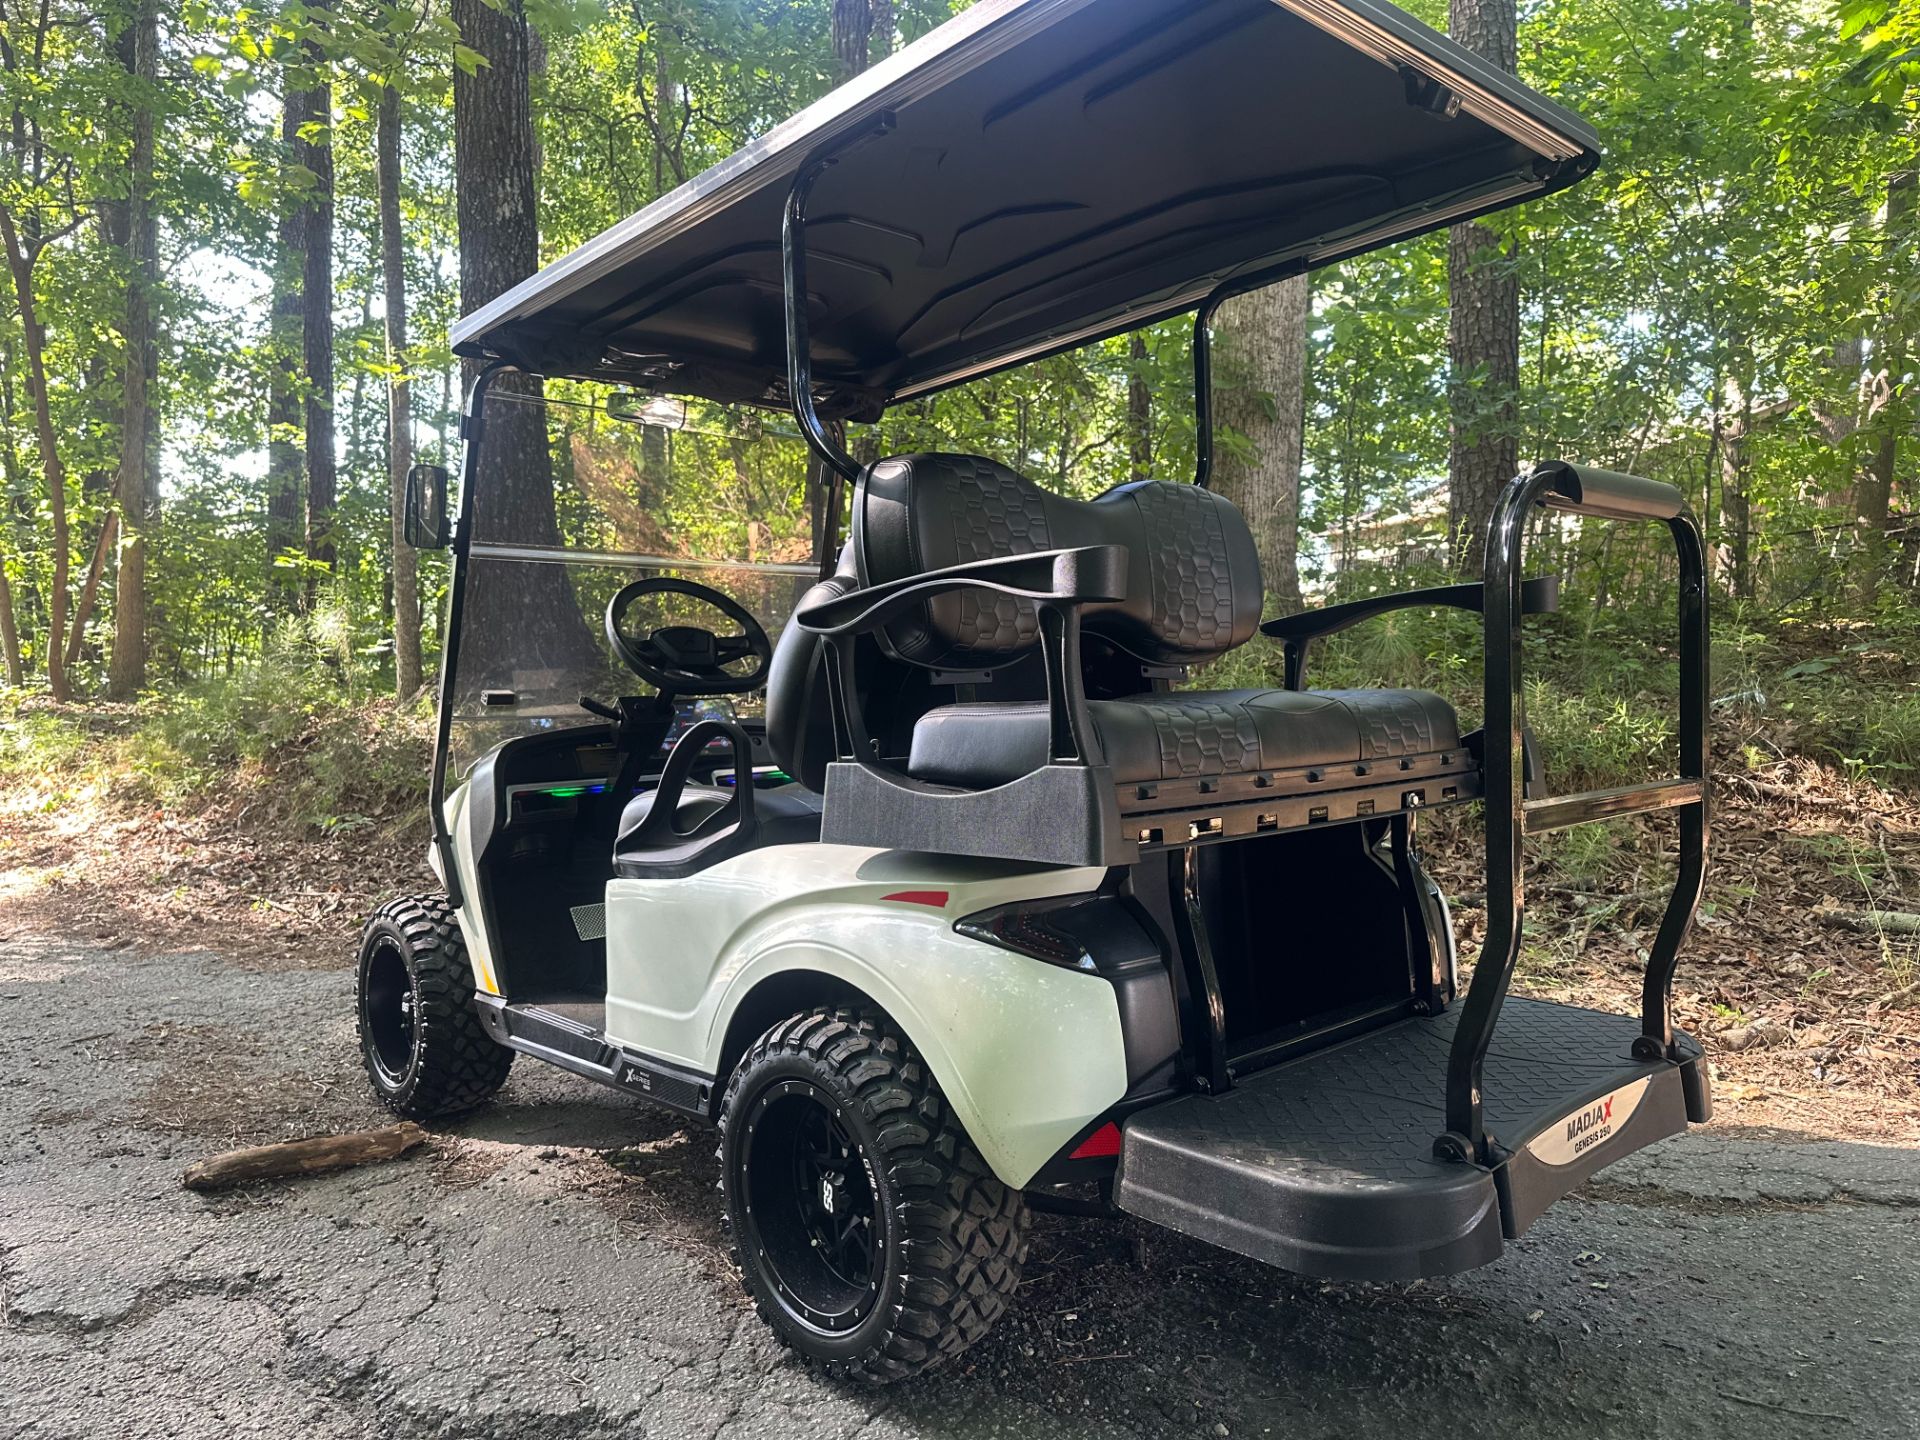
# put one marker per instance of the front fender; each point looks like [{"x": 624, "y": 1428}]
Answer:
[{"x": 473, "y": 926}]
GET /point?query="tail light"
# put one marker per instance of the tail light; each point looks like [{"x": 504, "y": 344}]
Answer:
[{"x": 1030, "y": 929}]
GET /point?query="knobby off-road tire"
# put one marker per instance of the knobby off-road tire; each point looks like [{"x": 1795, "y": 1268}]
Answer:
[
  {"x": 425, "y": 1050},
  {"x": 949, "y": 1238}
]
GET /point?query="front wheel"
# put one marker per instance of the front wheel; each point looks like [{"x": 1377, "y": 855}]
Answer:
[
  {"x": 870, "y": 1233},
  {"x": 425, "y": 1050}
]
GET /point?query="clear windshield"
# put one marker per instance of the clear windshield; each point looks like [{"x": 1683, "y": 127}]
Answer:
[{"x": 572, "y": 505}]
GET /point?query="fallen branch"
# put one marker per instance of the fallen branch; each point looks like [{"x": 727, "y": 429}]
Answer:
[
  {"x": 302, "y": 1157},
  {"x": 1895, "y": 999},
  {"x": 1783, "y": 1409},
  {"x": 1880, "y": 922},
  {"x": 1789, "y": 795}
]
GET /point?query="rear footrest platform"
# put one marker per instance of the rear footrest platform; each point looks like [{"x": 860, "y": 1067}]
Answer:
[{"x": 1324, "y": 1165}]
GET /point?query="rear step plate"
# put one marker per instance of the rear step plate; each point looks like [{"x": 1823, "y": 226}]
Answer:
[{"x": 1324, "y": 1165}]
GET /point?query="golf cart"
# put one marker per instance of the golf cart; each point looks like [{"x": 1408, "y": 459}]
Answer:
[{"x": 958, "y": 901}]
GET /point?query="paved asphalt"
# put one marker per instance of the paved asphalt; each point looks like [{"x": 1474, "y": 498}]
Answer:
[{"x": 551, "y": 1268}]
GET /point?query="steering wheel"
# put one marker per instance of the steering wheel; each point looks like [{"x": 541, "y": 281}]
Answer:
[{"x": 685, "y": 659}]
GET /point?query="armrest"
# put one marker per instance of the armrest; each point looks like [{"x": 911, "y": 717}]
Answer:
[
  {"x": 1537, "y": 597},
  {"x": 657, "y": 827},
  {"x": 1057, "y": 582},
  {"x": 1060, "y": 577}
]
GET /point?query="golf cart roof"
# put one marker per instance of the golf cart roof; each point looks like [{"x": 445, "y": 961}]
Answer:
[{"x": 1034, "y": 175}]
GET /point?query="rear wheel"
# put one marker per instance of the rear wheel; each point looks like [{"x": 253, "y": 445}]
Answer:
[
  {"x": 870, "y": 1233},
  {"x": 425, "y": 1050}
]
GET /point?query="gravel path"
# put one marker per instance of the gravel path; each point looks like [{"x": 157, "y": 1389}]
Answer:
[{"x": 551, "y": 1268}]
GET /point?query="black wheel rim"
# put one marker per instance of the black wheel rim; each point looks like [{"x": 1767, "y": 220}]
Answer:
[
  {"x": 816, "y": 1230},
  {"x": 387, "y": 1013}
]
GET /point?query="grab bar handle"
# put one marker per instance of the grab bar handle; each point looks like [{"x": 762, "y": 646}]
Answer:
[{"x": 1607, "y": 494}]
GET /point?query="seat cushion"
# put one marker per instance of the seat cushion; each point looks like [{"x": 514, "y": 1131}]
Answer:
[
  {"x": 785, "y": 815},
  {"x": 1181, "y": 734}
]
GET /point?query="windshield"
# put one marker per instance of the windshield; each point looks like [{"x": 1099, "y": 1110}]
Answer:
[{"x": 571, "y": 504}]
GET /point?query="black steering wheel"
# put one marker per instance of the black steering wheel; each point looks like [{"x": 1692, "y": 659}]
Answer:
[{"x": 685, "y": 659}]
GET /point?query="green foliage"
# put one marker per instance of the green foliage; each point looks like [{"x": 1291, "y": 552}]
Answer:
[{"x": 281, "y": 741}]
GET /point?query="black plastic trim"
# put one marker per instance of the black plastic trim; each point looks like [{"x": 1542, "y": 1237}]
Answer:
[{"x": 587, "y": 1052}]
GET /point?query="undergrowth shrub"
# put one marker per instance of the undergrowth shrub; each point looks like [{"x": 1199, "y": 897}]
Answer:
[
  {"x": 1603, "y": 684},
  {"x": 285, "y": 741}
]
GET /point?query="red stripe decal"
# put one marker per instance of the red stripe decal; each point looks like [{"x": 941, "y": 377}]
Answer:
[{"x": 936, "y": 898}]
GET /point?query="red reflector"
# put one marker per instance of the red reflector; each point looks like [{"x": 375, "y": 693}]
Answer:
[
  {"x": 936, "y": 898},
  {"x": 1103, "y": 1143}
]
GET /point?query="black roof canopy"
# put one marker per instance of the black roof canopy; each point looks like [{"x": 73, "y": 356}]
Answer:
[{"x": 1042, "y": 173}]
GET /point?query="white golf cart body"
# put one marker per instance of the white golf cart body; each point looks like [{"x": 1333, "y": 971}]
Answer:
[
  {"x": 1174, "y": 944},
  {"x": 1026, "y": 1054}
]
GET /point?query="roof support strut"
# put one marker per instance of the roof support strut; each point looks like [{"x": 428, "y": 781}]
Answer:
[
  {"x": 793, "y": 259},
  {"x": 793, "y": 270},
  {"x": 1203, "y": 356},
  {"x": 472, "y": 434}
]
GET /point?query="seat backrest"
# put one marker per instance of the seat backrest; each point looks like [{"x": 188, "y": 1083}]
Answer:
[
  {"x": 1194, "y": 589},
  {"x": 799, "y": 711},
  {"x": 1193, "y": 592}
]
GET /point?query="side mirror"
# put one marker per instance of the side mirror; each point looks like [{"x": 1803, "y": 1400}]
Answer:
[{"x": 426, "y": 526}]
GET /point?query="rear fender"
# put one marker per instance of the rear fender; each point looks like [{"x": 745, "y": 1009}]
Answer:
[{"x": 1025, "y": 1052}]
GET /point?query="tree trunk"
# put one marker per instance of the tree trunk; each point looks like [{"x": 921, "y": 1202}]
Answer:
[
  {"x": 1888, "y": 411},
  {"x": 134, "y": 495},
  {"x": 851, "y": 25},
  {"x": 393, "y": 272},
  {"x": 1736, "y": 505},
  {"x": 9, "y": 631},
  {"x": 90, "y": 588},
  {"x": 314, "y": 150},
  {"x": 52, "y": 469},
  {"x": 539, "y": 623},
  {"x": 286, "y": 429},
  {"x": 1261, "y": 396},
  {"x": 1733, "y": 425},
  {"x": 10, "y": 469},
  {"x": 1483, "y": 330},
  {"x": 1139, "y": 408}
]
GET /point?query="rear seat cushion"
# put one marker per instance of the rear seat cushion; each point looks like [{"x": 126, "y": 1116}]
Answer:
[{"x": 1179, "y": 734}]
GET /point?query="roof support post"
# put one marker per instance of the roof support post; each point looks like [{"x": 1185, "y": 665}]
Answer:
[
  {"x": 820, "y": 440},
  {"x": 1203, "y": 390},
  {"x": 472, "y": 434},
  {"x": 1203, "y": 356}
]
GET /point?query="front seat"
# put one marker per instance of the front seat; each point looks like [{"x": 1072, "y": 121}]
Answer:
[{"x": 702, "y": 825}]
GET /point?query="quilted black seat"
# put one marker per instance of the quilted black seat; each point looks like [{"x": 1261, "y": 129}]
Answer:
[
  {"x": 938, "y": 597},
  {"x": 1182, "y": 735}
]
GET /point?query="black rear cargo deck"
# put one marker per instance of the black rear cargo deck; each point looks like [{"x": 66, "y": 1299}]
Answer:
[{"x": 1324, "y": 1165}]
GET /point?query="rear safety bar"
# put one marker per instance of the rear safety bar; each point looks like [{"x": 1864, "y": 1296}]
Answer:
[{"x": 1510, "y": 817}]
